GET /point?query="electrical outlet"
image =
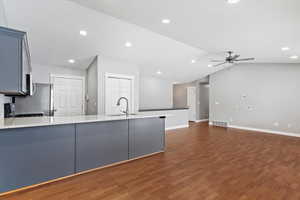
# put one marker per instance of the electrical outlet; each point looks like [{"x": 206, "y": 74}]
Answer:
[
  {"x": 217, "y": 103},
  {"x": 290, "y": 125},
  {"x": 276, "y": 124}
]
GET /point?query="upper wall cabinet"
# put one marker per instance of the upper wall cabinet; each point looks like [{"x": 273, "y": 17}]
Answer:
[{"x": 15, "y": 62}]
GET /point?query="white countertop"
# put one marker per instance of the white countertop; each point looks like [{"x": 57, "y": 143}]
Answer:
[{"x": 10, "y": 123}]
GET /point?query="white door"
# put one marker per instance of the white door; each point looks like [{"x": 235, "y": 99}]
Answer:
[
  {"x": 115, "y": 88},
  {"x": 191, "y": 103},
  {"x": 68, "y": 95}
]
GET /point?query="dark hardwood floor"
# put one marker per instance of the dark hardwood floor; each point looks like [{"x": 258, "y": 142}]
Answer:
[{"x": 200, "y": 163}]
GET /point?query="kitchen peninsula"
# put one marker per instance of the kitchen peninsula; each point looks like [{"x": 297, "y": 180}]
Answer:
[{"x": 35, "y": 150}]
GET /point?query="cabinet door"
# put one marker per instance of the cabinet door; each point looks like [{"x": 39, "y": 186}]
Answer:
[
  {"x": 33, "y": 155},
  {"x": 146, "y": 136},
  {"x": 101, "y": 143},
  {"x": 10, "y": 58},
  {"x": 26, "y": 64}
]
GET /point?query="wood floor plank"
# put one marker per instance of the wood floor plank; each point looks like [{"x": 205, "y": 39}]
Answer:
[{"x": 200, "y": 163}]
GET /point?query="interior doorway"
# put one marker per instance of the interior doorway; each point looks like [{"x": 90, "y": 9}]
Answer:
[
  {"x": 203, "y": 101},
  {"x": 117, "y": 86},
  {"x": 68, "y": 95},
  {"x": 191, "y": 103}
]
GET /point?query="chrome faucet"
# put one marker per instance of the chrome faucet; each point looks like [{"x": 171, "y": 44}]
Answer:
[{"x": 127, "y": 107}]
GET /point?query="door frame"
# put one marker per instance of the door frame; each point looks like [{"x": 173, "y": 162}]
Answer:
[
  {"x": 119, "y": 76},
  {"x": 82, "y": 78},
  {"x": 188, "y": 89}
]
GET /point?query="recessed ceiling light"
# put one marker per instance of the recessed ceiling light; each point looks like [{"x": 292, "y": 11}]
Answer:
[
  {"x": 83, "y": 33},
  {"x": 128, "y": 44},
  {"x": 285, "y": 48},
  {"x": 193, "y": 61},
  {"x": 71, "y": 61},
  {"x": 166, "y": 21},
  {"x": 210, "y": 65},
  {"x": 233, "y": 1},
  {"x": 294, "y": 57},
  {"x": 159, "y": 72}
]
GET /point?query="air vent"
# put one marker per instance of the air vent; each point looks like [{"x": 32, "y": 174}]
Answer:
[{"x": 220, "y": 124}]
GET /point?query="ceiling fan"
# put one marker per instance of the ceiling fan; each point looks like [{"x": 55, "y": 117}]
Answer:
[{"x": 231, "y": 58}]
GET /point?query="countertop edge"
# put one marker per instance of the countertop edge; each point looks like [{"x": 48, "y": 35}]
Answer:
[
  {"x": 161, "y": 109},
  {"x": 64, "y": 120}
]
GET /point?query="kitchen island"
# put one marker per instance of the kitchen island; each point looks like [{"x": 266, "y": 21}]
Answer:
[
  {"x": 177, "y": 117},
  {"x": 41, "y": 149}
]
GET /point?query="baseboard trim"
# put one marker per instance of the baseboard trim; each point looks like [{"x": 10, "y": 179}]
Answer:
[
  {"x": 265, "y": 131},
  {"x": 177, "y": 127},
  {"x": 201, "y": 120}
]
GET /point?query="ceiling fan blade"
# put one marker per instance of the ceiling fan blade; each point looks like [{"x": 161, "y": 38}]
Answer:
[
  {"x": 219, "y": 64},
  {"x": 245, "y": 59},
  {"x": 235, "y": 57},
  {"x": 217, "y": 61}
]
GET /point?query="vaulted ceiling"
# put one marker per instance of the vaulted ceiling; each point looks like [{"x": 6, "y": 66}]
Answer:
[
  {"x": 199, "y": 30},
  {"x": 258, "y": 28}
]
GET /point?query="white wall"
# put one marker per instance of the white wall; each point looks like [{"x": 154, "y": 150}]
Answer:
[
  {"x": 109, "y": 65},
  {"x": 92, "y": 88},
  {"x": 260, "y": 96},
  {"x": 41, "y": 73},
  {"x": 155, "y": 93}
]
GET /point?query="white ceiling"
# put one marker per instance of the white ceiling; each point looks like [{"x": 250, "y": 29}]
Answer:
[
  {"x": 53, "y": 29},
  {"x": 255, "y": 28}
]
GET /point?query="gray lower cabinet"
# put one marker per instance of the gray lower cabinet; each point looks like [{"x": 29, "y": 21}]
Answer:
[
  {"x": 101, "y": 143},
  {"x": 33, "y": 155},
  {"x": 30, "y": 156},
  {"x": 146, "y": 136}
]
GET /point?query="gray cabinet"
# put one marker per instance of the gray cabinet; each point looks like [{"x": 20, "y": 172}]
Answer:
[
  {"x": 33, "y": 155},
  {"x": 30, "y": 156},
  {"x": 14, "y": 62},
  {"x": 146, "y": 136},
  {"x": 101, "y": 143}
]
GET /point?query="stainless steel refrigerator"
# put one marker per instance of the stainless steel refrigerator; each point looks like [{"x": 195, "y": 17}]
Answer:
[{"x": 40, "y": 103}]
